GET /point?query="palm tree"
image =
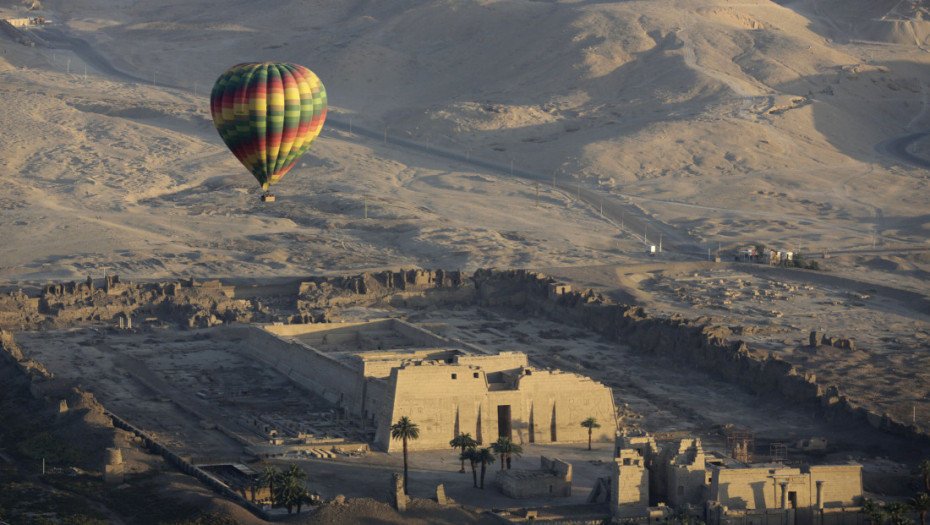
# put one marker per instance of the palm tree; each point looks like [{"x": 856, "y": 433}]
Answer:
[
  {"x": 484, "y": 456},
  {"x": 515, "y": 450},
  {"x": 291, "y": 492},
  {"x": 463, "y": 441},
  {"x": 506, "y": 449},
  {"x": 471, "y": 454},
  {"x": 923, "y": 468},
  {"x": 294, "y": 471},
  {"x": 499, "y": 447},
  {"x": 304, "y": 498},
  {"x": 267, "y": 478},
  {"x": 921, "y": 504},
  {"x": 590, "y": 424},
  {"x": 896, "y": 511},
  {"x": 405, "y": 429},
  {"x": 873, "y": 511}
]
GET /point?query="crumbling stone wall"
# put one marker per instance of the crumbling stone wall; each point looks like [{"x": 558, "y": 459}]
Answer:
[
  {"x": 18, "y": 310},
  {"x": 404, "y": 288},
  {"x": 553, "y": 479},
  {"x": 196, "y": 304},
  {"x": 693, "y": 341},
  {"x": 185, "y": 302}
]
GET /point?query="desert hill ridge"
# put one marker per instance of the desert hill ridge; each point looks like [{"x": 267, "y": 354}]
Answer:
[
  {"x": 725, "y": 123},
  {"x": 730, "y": 122}
]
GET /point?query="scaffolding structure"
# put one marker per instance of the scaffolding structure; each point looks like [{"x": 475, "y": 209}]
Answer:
[
  {"x": 741, "y": 444},
  {"x": 779, "y": 452}
]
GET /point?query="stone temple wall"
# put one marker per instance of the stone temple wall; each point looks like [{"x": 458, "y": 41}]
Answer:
[{"x": 318, "y": 299}]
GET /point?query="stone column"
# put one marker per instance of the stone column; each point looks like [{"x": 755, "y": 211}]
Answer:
[
  {"x": 820, "y": 495},
  {"x": 784, "y": 494},
  {"x": 397, "y": 495},
  {"x": 113, "y": 466}
]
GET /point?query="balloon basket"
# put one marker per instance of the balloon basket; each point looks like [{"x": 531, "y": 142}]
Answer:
[{"x": 268, "y": 197}]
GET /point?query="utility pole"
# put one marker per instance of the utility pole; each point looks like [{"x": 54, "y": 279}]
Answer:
[
  {"x": 660, "y": 242},
  {"x": 537, "y": 194}
]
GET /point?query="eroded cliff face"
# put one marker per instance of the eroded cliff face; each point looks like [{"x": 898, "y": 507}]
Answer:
[{"x": 695, "y": 342}]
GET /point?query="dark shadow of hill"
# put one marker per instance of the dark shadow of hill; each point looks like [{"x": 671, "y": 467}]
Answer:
[
  {"x": 846, "y": 21},
  {"x": 865, "y": 109}
]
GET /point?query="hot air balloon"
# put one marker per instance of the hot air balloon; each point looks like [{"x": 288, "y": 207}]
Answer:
[{"x": 268, "y": 115}]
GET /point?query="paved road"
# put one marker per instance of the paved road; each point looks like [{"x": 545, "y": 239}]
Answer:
[
  {"x": 57, "y": 38},
  {"x": 634, "y": 222},
  {"x": 630, "y": 217}
]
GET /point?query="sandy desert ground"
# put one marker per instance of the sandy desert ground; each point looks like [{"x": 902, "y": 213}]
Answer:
[
  {"x": 713, "y": 123},
  {"x": 550, "y": 135}
]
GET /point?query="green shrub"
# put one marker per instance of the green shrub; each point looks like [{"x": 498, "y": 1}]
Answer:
[{"x": 43, "y": 445}]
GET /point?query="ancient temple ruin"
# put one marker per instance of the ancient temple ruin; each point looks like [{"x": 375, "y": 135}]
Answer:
[
  {"x": 382, "y": 370},
  {"x": 726, "y": 491}
]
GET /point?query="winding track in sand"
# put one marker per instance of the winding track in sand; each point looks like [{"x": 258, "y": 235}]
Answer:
[{"x": 896, "y": 148}]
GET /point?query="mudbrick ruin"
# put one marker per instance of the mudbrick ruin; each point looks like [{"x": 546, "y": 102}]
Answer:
[
  {"x": 194, "y": 304},
  {"x": 370, "y": 373}
]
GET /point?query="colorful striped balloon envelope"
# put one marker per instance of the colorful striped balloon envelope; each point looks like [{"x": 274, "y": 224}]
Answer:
[{"x": 268, "y": 115}]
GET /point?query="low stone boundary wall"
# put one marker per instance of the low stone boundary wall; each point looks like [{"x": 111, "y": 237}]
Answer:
[
  {"x": 187, "y": 467},
  {"x": 701, "y": 345},
  {"x": 15, "y": 34}
]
